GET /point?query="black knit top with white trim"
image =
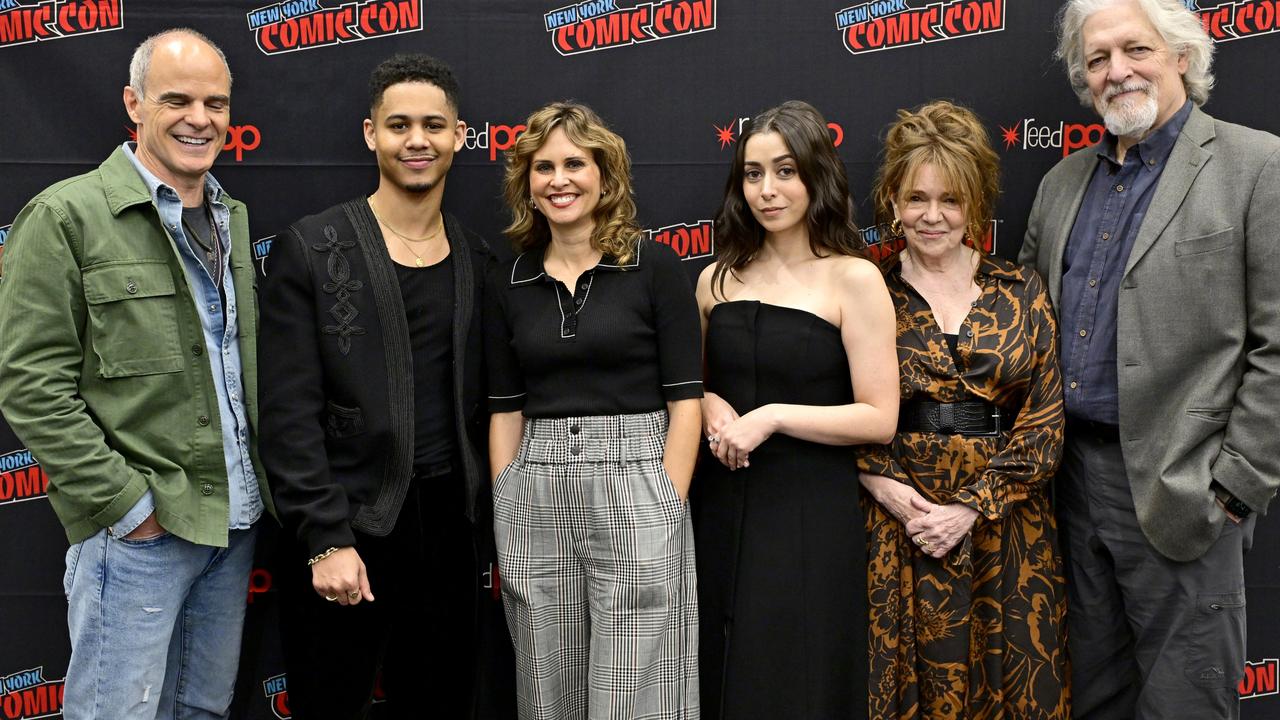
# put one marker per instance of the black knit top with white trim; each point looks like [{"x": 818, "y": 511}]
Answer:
[{"x": 625, "y": 339}]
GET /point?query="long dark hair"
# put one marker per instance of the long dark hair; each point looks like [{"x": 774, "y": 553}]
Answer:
[{"x": 830, "y": 216}]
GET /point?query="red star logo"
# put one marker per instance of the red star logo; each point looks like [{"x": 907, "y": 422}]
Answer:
[
  {"x": 1010, "y": 135},
  {"x": 724, "y": 134}
]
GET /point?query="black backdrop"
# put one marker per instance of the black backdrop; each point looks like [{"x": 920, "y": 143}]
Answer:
[{"x": 673, "y": 77}]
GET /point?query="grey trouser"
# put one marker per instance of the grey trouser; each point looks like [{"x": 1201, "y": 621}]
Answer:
[
  {"x": 1150, "y": 638},
  {"x": 596, "y": 554}
]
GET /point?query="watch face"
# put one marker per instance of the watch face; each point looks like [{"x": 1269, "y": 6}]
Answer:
[{"x": 1238, "y": 508}]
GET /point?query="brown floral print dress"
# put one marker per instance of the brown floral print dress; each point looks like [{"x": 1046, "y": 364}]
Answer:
[{"x": 981, "y": 633}]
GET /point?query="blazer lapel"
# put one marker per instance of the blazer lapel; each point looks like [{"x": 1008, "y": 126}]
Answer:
[
  {"x": 1185, "y": 162},
  {"x": 1061, "y": 226}
]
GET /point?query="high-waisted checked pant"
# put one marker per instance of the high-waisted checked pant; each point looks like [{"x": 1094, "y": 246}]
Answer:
[{"x": 596, "y": 557}]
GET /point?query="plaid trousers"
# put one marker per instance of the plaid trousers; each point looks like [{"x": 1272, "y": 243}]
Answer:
[{"x": 596, "y": 553}]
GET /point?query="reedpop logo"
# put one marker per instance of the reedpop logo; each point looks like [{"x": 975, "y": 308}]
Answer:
[
  {"x": 732, "y": 130},
  {"x": 240, "y": 139},
  {"x": 53, "y": 19},
  {"x": 1026, "y": 134}
]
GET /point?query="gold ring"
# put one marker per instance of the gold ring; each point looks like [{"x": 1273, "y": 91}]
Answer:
[
  {"x": 331, "y": 598},
  {"x": 353, "y": 594},
  {"x": 921, "y": 541}
]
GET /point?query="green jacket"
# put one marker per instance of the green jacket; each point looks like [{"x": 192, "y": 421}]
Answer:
[{"x": 103, "y": 371}]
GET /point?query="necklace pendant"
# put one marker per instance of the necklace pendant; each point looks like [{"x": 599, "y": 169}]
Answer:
[{"x": 418, "y": 261}]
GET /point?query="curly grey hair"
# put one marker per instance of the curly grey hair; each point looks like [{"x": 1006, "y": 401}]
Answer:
[{"x": 1180, "y": 27}]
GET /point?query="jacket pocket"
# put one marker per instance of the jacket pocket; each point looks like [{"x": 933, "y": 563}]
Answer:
[
  {"x": 1214, "y": 415},
  {"x": 342, "y": 422},
  {"x": 1205, "y": 243},
  {"x": 133, "y": 318}
]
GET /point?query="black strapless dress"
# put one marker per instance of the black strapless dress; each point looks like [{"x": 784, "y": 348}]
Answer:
[{"x": 780, "y": 545}]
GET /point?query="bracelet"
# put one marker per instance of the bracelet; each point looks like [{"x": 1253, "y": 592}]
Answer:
[{"x": 321, "y": 556}]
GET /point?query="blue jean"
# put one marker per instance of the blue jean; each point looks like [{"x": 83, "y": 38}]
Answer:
[{"x": 155, "y": 626}]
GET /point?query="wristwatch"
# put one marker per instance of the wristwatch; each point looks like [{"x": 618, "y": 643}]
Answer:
[{"x": 1230, "y": 502}]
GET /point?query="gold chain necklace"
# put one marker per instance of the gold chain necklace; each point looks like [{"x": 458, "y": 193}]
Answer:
[{"x": 405, "y": 239}]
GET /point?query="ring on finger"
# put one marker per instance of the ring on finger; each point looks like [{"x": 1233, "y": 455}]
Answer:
[
  {"x": 331, "y": 598},
  {"x": 352, "y": 595},
  {"x": 921, "y": 541},
  {"x": 713, "y": 439}
]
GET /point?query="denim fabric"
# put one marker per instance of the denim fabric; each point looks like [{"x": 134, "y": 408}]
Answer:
[
  {"x": 173, "y": 612},
  {"x": 1110, "y": 218},
  {"x": 218, "y": 319}
]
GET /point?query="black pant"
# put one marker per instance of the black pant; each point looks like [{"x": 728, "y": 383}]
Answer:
[{"x": 420, "y": 630}]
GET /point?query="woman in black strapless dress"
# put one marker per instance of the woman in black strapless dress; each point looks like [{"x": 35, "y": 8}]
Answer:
[{"x": 800, "y": 366}]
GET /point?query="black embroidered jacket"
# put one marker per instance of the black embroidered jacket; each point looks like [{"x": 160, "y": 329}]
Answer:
[{"x": 336, "y": 384}]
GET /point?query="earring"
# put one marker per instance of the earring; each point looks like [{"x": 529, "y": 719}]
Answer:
[
  {"x": 975, "y": 236},
  {"x": 895, "y": 228},
  {"x": 532, "y": 204},
  {"x": 603, "y": 193}
]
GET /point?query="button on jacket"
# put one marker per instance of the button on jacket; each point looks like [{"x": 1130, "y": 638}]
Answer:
[{"x": 103, "y": 372}]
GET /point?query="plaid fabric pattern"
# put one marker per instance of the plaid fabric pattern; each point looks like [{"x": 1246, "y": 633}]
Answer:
[{"x": 596, "y": 552}]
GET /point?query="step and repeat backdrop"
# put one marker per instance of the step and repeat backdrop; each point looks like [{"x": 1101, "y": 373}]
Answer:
[{"x": 676, "y": 78}]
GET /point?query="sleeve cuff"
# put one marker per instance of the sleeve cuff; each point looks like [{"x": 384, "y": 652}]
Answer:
[
  {"x": 137, "y": 514},
  {"x": 691, "y": 390},
  {"x": 506, "y": 403}
]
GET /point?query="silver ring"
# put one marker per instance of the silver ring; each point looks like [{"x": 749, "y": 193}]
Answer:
[
  {"x": 713, "y": 439},
  {"x": 331, "y": 598}
]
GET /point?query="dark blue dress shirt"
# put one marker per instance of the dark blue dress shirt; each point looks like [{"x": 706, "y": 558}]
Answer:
[{"x": 1110, "y": 217}]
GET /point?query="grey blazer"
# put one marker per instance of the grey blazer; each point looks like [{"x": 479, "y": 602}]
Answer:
[{"x": 1198, "y": 326}]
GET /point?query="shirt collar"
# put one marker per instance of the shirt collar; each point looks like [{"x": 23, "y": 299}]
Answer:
[
  {"x": 1155, "y": 149},
  {"x": 212, "y": 189},
  {"x": 528, "y": 266}
]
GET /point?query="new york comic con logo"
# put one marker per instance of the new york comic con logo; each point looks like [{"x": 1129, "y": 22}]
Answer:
[
  {"x": 601, "y": 24},
  {"x": 1237, "y": 20},
  {"x": 25, "y": 22},
  {"x": 887, "y": 24},
  {"x": 690, "y": 241},
  {"x": 21, "y": 478},
  {"x": 1259, "y": 679},
  {"x": 276, "y": 688},
  {"x": 305, "y": 24},
  {"x": 26, "y": 695}
]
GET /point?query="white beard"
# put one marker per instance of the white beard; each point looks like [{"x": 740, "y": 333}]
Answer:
[{"x": 1130, "y": 118}]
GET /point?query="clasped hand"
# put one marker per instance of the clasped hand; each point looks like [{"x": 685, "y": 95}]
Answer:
[
  {"x": 732, "y": 437},
  {"x": 936, "y": 529}
]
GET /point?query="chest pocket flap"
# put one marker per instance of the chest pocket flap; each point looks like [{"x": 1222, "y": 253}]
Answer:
[{"x": 133, "y": 319}]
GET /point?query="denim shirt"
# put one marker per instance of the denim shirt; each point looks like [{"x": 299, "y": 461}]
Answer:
[
  {"x": 215, "y": 318},
  {"x": 1110, "y": 217}
]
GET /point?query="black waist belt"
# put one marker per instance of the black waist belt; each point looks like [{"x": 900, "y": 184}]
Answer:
[
  {"x": 1091, "y": 430},
  {"x": 967, "y": 417}
]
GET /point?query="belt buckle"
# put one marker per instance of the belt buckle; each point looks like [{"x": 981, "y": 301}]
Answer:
[{"x": 997, "y": 427}]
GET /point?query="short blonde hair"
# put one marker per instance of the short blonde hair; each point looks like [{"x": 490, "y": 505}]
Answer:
[{"x": 616, "y": 231}]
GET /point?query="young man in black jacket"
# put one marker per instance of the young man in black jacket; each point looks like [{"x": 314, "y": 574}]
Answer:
[{"x": 372, "y": 422}]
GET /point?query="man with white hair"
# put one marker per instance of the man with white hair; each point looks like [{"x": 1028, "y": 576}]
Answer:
[
  {"x": 1160, "y": 245},
  {"x": 127, "y": 353}
]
